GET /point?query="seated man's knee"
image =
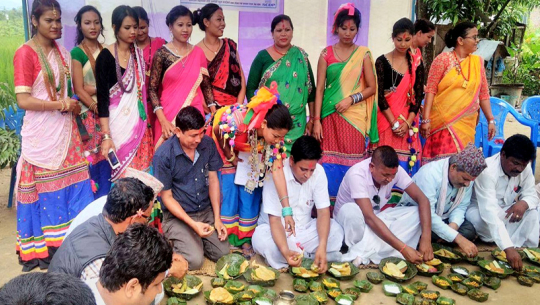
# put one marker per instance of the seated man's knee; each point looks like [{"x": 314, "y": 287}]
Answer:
[
  {"x": 196, "y": 262},
  {"x": 467, "y": 230}
]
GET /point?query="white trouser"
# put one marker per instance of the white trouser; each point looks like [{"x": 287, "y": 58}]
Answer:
[
  {"x": 524, "y": 233},
  {"x": 365, "y": 245},
  {"x": 306, "y": 238}
]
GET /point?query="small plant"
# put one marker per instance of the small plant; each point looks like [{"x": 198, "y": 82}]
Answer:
[
  {"x": 9, "y": 148},
  {"x": 527, "y": 67},
  {"x": 7, "y": 99}
]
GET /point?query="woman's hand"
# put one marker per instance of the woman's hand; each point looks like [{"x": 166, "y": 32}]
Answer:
[
  {"x": 344, "y": 104},
  {"x": 167, "y": 129},
  {"x": 72, "y": 106},
  {"x": 213, "y": 110},
  {"x": 106, "y": 145},
  {"x": 317, "y": 130},
  {"x": 309, "y": 128},
  {"x": 402, "y": 130},
  {"x": 425, "y": 130},
  {"x": 289, "y": 226},
  {"x": 492, "y": 130}
]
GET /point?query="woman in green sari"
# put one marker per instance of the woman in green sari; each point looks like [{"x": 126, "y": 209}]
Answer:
[{"x": 289, "y": 67}]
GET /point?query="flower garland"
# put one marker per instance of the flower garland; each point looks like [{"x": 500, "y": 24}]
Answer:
[
  {"x": 413, "y": 135},
  {"x": 228, "y": 126}
]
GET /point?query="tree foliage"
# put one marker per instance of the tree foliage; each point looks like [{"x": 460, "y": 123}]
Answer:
[{"x": 496, "y": 17}]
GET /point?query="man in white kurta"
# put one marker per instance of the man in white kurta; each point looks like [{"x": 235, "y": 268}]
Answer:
[
  {"x": 504, "y": 201},
  {"x": 372, "y": 230},
  {"x": 448, "y": 185},
  {"x": 319, "y": 239}
]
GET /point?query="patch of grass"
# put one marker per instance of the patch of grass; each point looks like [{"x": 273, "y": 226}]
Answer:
[{"x": 7, "y": 50}]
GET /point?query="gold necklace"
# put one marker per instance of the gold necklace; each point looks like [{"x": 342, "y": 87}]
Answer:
[
  {"x": 215, "y": 52},
  {"x": 182, "y": 57}
]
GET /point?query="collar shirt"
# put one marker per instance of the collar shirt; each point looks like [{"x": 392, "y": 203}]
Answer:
[
  {"x": 187, "y": 179},
  {"x": 302, "y": 197},
  {"x": 495, "y": 192},
  {"x": 358, "y": 184}
]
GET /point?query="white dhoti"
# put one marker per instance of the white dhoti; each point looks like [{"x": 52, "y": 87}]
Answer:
[
  {"x": 364, "y": 245},
  {"x": 306, "y": 238},
  {"x": 524, "y": 233}
]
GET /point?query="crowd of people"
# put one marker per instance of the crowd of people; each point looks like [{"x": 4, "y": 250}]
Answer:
[{"x": 283, "y": 164}]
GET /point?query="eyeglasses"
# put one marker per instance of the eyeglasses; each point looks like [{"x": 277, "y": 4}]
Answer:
[
  {"x": 377, "y": 200},
  {"x": 473, "y": 37}
]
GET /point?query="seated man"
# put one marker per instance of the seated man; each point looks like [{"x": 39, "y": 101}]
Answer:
[
  {"x": 448, "y": 185},
  {"x": 307, "y": 186},
  {"x": 504, "y": 201},
  {"x": 38, "y": 288},
  {"x": 84, "y": 249},
  {"x": 187, "y": 165},
  {"x": 373, "y": 230},
  {"x": 134, "y": 268}
]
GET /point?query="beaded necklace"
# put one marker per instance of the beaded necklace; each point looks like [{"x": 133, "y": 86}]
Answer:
[
  {"x": 90, "y": 56},
  {"x": 460, "y": 71},
  {"x": 118, "y": 71},
  {"x": 53, "y": 90}
]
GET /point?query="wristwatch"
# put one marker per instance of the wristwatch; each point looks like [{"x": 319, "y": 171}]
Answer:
[
  {"x": 395, "y": 126},
  {"x": 491, "y": 122}
]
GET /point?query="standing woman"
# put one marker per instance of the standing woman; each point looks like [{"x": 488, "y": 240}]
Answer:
[
  {"x": 89, "y": 28},
  {"x": 53, "y": 184},
  {"x": 122, "y": 97},
  {"x": 179, "y": 77},
  {"x": 289, "y": 66},
  {"x": 400, "y": 78},
  {"x": 149, "y": 45},
  {"x": 346, "y": 100},
  {"x": 224, "y": 68},
  {"x": 456, "y": 90},
  {"x": 424, "y": 30}
]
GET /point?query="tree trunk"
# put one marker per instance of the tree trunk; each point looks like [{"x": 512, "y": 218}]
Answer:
[{"x": 429, "y": 51}]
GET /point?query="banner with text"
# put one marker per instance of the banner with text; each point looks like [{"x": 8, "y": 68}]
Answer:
[{"x": 268, "y": 6}]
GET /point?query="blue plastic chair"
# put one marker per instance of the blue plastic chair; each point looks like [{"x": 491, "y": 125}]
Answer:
[
  {"x": 530, "y": 108},
  {"x": 500, "y": 110},
  {"x": 14, "y": 122}
]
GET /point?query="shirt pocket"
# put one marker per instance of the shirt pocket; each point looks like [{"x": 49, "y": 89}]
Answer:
[{"x": 205, "y": 173}]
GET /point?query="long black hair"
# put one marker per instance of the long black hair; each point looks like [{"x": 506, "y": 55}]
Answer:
[
  {"x": 78, "y": 21},
  {"x": 460, "y": 30},
  {"x": 424, "y": 26},
  {"x": 343, "y": 16},
  {"x": 404, "y": 25},
  {"x": 278, "y": 117},
  {"x": 143, "y": 15},
  {"x": 119, "y": 14},
  {"x": 206, "y": 12}
]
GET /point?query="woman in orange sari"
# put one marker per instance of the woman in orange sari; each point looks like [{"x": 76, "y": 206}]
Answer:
[
  {"x": 179, "y": 76},
  {"x": 400, "y": 76},
  {"x": 456, "y": 90},
  {"x": 224, "y": 68}
]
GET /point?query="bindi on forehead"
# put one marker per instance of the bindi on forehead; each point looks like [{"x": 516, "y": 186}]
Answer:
[
  {"x": 404, "y": 35},
  {"x": 349, "y": 23}
]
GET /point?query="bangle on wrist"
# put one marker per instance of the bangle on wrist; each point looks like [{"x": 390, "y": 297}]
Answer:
[
  {"x": 212, "y": 105},
  {"x": 232, "y": 158},
  {"x": 425, "y": 121},
  {"x": 404, "y": 246},
  {"x": 316, "y": 118},
  {"x": 283, "y": 198},
  {"x": 286, "y": 212},
  {"x": 157, "y": 108}
]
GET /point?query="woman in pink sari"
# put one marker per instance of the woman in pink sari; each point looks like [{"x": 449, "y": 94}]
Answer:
[
  {"x": 122, "y": 97},
  {"x": 179, "y": 72},
  {"x": 53, "y": 183},
  {"x": 400, "y": 77},
  {"x": 149, "y": 46}
]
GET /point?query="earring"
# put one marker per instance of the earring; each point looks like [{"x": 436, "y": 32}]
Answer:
[{"x": 170, "y": 34}]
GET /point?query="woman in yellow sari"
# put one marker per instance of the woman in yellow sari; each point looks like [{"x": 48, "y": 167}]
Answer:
[
  {"x": 456, "y": 90},
  {"x": 345, "y": 102}
]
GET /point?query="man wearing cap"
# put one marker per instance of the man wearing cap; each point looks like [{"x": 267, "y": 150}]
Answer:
[
  {"x": 504, "y": 201},
  {"x": 448, "y": 184}
]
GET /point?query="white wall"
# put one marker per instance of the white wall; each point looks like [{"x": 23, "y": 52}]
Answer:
[{"x": 383, "y": 15}]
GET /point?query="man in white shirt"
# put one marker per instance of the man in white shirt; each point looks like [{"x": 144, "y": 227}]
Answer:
[
  {"x": 307, "y": 186},
  {"x": 372, "y": 230},
  {"x": 504, "y": 200},
  {"x": 448, "y": 185},
  {"x": 134, "y": 268}
]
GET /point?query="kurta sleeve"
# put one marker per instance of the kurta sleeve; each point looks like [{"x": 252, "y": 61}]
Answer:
[
  {"x": 418, "y": 89},
  {"x": 486, "y": 195},
  {"x": 156, "y": 77},
  {"x": 254, "y": 77},
  {"x": 528, "y": 193},
  {"x": 26, "y": 67},
  {"x": 379, "y": 67},
  {"x": 436, "y": 73},
  {"x": 105, "y": 76},
  {"x": 270, "y": 198}
]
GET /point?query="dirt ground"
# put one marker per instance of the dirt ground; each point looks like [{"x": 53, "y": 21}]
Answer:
[{"x": 510, "y": 291}]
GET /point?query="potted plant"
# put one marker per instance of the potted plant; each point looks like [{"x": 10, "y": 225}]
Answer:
[{"x": 9, "y": 141}]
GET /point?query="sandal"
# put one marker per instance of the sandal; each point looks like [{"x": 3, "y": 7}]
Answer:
[{"x": 247, "y": 251}]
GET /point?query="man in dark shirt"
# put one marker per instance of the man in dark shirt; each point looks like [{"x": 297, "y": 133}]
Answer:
[{"x": 187, "y": 165}]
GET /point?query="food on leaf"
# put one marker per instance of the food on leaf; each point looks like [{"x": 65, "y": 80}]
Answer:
[
  {"x": 344, "y": 299},
  {"x": 492, "y": 282},
  {"x": 424, "y": 267},
  {"x": 363, "y": 285},
  {"x": 334, "y": 292},
  {"x": 533, "y": 255},
  {"x": 315, "y": 286},
  {"x": 525, "y": 281},
  {"x": 471, "y": 284},
  {"x": 221, "y": 295},
  {"x": 445, "y": 301},
  {"x": 395, "y": 270},
  {"x": 340, "y": 269},
  {"x": 405, "y": 299},
  {"x": 420, "y": 286},
  {"x": 330, "y": 283},
  {"x": 391, "y": 289},
  {"x": 375, "y": 277},
  {"x": 434, "y": 262},
  {"x": 234, "y": 286},
  {"x": 244, "y": 296},
  {"x": 300, "y": 285},
  {"x": 355, "y": 292},
  {"x": 495, "y": 267},
  {"x": 320, "y": 296},
  {"x": 264, "y": 274},
  {"x": 446, "y": 253},
  {"x": 456, "y": 278},
  {"x": 218, "y": 282},
  {"x": 430, "y": 294},
  {"x": 459, "y": 288},
  {"x": 477, "y": 295},
  {"x": 410, "y": 289},
  {"x": 477, "y": 276},
  {"x": 441, "y": 282}
]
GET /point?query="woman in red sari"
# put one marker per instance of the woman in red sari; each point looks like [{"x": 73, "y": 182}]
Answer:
[
  {"x": 400, "y": 77},
  {"x": 149, "y": 46},
  {"x": 179, "y": 76},
  {"x": 224, "y": 68},
  {"x": 53, "y": 183}
]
